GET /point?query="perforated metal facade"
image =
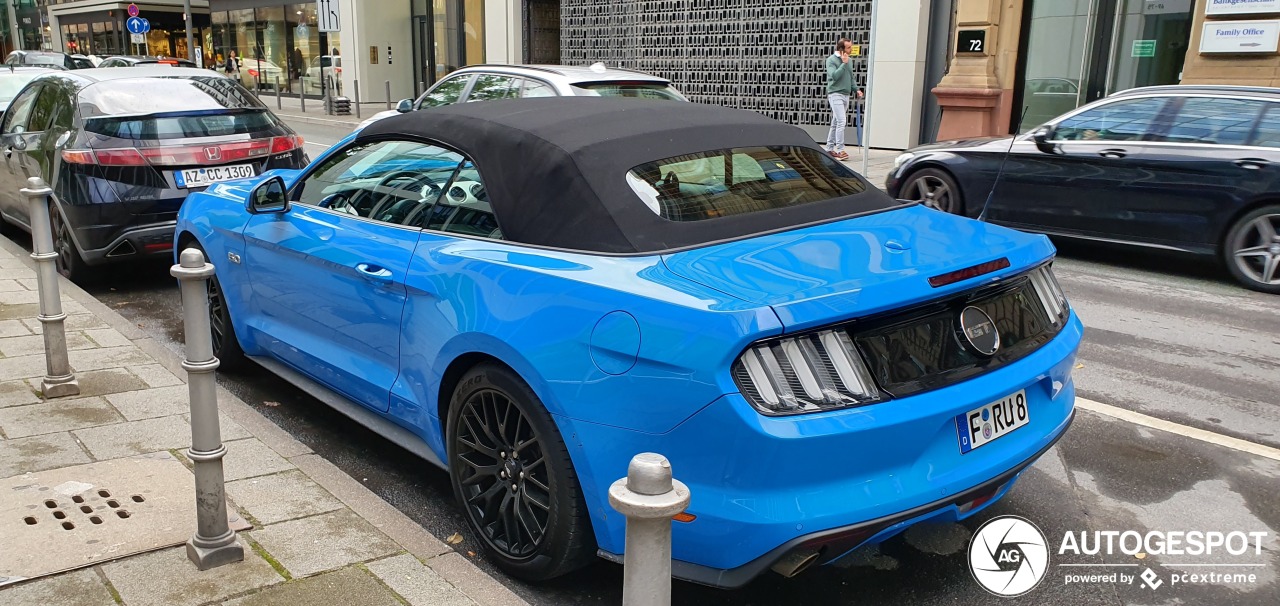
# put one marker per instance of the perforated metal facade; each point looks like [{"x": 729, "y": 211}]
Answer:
[{"x": 763, "y": 55}]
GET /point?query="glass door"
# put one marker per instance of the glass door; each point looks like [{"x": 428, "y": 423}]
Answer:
[{"x": 1079, "y": 51}]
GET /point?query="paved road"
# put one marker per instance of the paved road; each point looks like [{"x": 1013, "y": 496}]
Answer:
[{"x": 1166, "y": 337}]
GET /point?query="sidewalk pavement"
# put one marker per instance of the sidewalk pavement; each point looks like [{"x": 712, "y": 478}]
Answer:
[{"x": 318, "y": 535}]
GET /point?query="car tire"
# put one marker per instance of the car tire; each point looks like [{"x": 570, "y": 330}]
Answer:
[
  {"x": 502, "y": 466},
  {"x": 69, "y": 262},
  {"x": 1251, "y": 249},
  {"x": 226, "y": 346},
  {"x": 935, "y": 188}
]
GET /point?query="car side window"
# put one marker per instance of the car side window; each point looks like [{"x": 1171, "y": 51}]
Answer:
[
  {"x": 1268, "y": 131},
  {"x": 19, "y": 113},
  {"x": 464, "y": 208},
  {"x": 46, "y": 105},
  {"x": 1124, "y": 120},
  {"x": 447, "y": 92},
  {"x": 388, "y": 181},
  {"x": 537, "y": 88},
  {"x": 491, "y": 87},
  {"x": 1209, "y": 120}
]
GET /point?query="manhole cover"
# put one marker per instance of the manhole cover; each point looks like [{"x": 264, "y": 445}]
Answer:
[{"x": 79, "y": 516}]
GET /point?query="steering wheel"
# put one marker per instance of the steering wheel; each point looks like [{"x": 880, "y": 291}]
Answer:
[{"x": 389, "y": 198}]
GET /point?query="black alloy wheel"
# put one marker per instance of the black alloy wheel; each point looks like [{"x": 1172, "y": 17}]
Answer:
[
  {"x": 1252, "y": 249},
  {"x": 512, "y": 476},
  {"x": 226, "y": 347},
  {"x": 935, "y": 189},
  {"x": 69, "y": 262}
]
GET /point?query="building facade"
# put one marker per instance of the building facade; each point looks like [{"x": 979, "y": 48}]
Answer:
[
  {"x": 97, "y": 27},
  {"x": 1041, "y": 58}
]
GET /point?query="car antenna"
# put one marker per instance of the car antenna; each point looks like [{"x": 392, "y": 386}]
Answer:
[{"x": 1000, "y": 172}]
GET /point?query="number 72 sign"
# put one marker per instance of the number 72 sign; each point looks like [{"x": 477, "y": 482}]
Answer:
[{"x": 971, "y": 41}]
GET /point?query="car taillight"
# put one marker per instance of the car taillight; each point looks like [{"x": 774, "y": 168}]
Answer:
[
  {"x": 1050, "y": 294},
  {"x": 253, "y": 73},
  {"x": 183, "y": 155},
  {"x": 807, "y": 373},
  {"x": 280, "y": 145}
]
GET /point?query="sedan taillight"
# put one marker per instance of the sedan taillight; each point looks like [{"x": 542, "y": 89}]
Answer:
[
  {"x": 814, "y": 372},
  {"x": 185, "y": 155}
]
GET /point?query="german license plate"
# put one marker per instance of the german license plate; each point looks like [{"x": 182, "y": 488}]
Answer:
[
  {"x": 201, "y": 177},
  {"x": 992, "y": 421}
]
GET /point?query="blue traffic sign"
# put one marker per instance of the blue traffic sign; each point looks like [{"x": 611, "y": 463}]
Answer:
[{"x": 137, "y": 25}]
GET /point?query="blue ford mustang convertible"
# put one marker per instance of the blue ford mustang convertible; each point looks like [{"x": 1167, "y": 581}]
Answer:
[{"x": 528, "y": 293}]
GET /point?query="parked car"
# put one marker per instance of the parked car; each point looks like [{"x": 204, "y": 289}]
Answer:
[
  {"x": 1192, "y": 169},
  {"x": 324, "y": 66},
  {"x": 528, "y": 293},
  {"x": 260, "y": 74},
  {"x": 492, "y": 82},
  {"x": 13, "y": 80},
  {"x": 122, "y": 148},
  {"x": 136, "y": 60},
  {"x": 48, "y": 60}
]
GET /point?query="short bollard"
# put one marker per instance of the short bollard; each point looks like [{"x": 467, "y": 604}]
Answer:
[
  {"x": 356, "y": 85},
  {"x": 302, "y": 98},
  {"x": 648, "y": 496},
  {"x": 214, "y": 543},
  {"x": 59, "y": 381},
  {"x": 279, "y": 101},
  {"x": 388, "y": 82}
]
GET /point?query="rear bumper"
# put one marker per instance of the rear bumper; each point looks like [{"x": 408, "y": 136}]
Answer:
[
  {"x": 766, "y": 487},
  {"x": 832, "y": 544},
  {"x": 131, "y": 243}
]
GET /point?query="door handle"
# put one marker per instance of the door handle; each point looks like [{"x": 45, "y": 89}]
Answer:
[
  {"x": 1251, "y": 163},
  {"x": 1113, "y": 153},
  {"x": 374, "y": 273}
]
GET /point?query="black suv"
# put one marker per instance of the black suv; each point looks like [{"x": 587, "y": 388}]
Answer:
[{"x": 121, "y": 149}]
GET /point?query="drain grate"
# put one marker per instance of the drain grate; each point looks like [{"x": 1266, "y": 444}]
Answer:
[
  {"x": 61, "y": 519},
  {"x": 93, "y": 505}
]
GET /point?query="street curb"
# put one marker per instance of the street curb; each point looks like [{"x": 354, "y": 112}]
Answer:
[
  {"x": 457, "y": 571},
  {"x": 352, "y": 123}
]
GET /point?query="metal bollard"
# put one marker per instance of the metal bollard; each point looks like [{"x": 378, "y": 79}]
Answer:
[
  {"x": 279, "y": 102},
  {"x": 356, "y": 85},
  {"x": 59, "y": 381},
  {"x": 214, "y": 543},
  {"x": 648, "y": 496},
  {"x": 422, "y": 88},
  {"x": 302, "y": 98},
  {"x": 388, "y": 95}
]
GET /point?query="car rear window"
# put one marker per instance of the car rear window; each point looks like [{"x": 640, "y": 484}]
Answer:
[
  {"x": 739, "y": 181},
  {"x": 179, "y": 127},
  {"x": 166, "y": 94},
  {"x": 636, "y": 90}
]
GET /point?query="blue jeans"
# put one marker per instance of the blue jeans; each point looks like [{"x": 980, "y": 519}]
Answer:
[{"x": 839, "y": 117}]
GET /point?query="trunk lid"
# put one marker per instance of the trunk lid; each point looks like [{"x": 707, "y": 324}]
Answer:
[{"x": 861, "y": 266}]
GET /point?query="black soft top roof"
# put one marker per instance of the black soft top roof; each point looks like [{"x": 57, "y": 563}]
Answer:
[{"x": 555, "y": 169}]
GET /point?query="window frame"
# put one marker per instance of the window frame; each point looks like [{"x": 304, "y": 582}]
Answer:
[
  {"x": 471, "y": 88},
  {"x": 1167, "y": 102},
  {"x": 462, "y": 95},
  {"x": 295, "y": 189}
]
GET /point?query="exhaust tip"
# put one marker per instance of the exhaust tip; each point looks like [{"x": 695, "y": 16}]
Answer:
[{"x": 795, "y": 562}]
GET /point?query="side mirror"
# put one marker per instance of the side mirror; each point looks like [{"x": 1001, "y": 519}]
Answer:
[
  {"x": 268, "y": 197},
  {"x": 1041, "y": 136},
  {"x": 405, "y": 106}
]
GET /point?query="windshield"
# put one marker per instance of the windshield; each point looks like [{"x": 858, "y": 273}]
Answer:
[
  {"x": 11, "y": 85},
  {"x": 727, "y": 182},
  {"x": 638, "y": 90},
  {"x": 44, "y": 60}
]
